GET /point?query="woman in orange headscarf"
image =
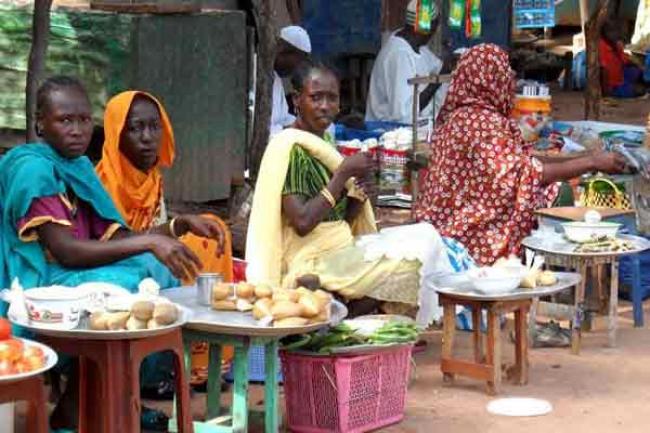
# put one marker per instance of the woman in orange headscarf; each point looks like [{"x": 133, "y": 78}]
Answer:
[{"x": 138, "y": 142}]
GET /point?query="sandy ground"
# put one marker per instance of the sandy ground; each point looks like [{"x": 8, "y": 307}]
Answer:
[{"x": 603, "y": 390}]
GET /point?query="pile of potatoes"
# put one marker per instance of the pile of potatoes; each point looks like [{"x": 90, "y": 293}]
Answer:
[
  {"x": 143, "y": 315},
  {"x": 282, "y": 307}
]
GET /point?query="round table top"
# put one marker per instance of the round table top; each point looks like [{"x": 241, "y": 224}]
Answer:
[
  {"x": 561, "y": 247},
  {"x": 465, "y": 292},
  {"x": 237, "y": 323}
]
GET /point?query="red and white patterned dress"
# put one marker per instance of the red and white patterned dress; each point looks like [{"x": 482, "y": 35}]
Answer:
[{"x": 482, "y": 185}]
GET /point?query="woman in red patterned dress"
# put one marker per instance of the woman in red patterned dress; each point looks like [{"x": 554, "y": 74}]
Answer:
[{"x": 483, "y": 186}]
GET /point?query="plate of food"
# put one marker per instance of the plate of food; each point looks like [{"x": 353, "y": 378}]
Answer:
[
  {"x": 141, "y": 318},
  {"x": 21, "y": 358}
]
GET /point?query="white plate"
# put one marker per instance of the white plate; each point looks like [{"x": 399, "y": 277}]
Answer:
[
  {"x": 519, "y": 406},
  {"x": 50, "y": 361}
]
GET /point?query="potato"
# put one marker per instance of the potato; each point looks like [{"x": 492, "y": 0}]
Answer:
[
  {"x": 243, "y": 305},
  {"x": 284, "y": 309},
  {"x": 263, "y": 291},
  {"x": 546, "y": 278},
  {"x": 221, "y": 291},
  {"x": 98, "y": 322},
  {"x": 322, "y": 317},
  {"x": 135, "y": 324},
  {"x": 244, "y": 290},
  {"x": 290, "y": 321},
  {"x": 302, "y": 291},
  {"x": 165, "y": 313},
  {"x": 286, "y": 295},
  {"x": 152, "y": 324},
  {"x": 262, "y": 308},
  {"x": 322, "y": 294},
  {"x": 311, "y": 305},
  {"x": 115, "y": 321},
  {"x": 142, "y": 310},
  {"x": 224, "y": 305},
  {"x": 530, "y": 280}
]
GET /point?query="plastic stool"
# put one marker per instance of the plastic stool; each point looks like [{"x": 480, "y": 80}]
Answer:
[
  {"x": 31, "y": 390},
  {"x": 109, "y": 380}
]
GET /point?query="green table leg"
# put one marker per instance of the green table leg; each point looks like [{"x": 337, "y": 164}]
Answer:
[
  {"x": 214, "y": 381},
  {"x": 240, "y": 392},
  {"x": 271, "y": 369}
]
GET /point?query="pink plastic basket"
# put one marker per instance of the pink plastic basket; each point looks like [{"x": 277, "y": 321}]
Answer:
[{"x": 345, "y": 394}]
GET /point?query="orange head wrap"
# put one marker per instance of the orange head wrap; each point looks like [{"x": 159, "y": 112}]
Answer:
[{"x": 135, "y": 193}]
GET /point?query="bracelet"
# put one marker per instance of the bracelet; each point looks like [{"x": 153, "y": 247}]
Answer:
[
  {"x": 171, "y": 228},
  {"x": 328, "y": 196}
]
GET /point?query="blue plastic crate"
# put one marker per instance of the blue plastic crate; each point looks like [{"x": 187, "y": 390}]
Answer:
[
  {"x": 625, "y": 273},
  {"x": 372, "y": 130},
  {"x": 256, "y": 366}
]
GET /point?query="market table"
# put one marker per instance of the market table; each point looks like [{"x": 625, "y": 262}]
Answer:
[
  {"x": 241, "y": 331},
  {"x": 488, "y": 367},
  {"x": 558, "y": 215},
  {"x": 30, "y": 387},
  {"x": 109, "y": 372},
  {"x": 559, "y": 252}
]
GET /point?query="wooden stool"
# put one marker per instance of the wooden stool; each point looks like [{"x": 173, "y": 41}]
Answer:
[
  {"x": 31, "y": 390},
  {"x": 485, "y": 367},
  {"x": 109, "y": 380}
]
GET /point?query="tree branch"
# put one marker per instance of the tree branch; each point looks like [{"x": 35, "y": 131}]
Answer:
[
  {"x": 35, "y": 66},
  {"x": 262, "y": 11}
]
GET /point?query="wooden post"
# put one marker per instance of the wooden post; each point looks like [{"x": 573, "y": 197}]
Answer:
[
  {"x": 593, "y": 92},
  {"x": 266, "y": 46},
  {"x": 35, "y": 65}
]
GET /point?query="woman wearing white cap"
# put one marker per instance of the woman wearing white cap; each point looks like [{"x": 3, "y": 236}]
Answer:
[
  {"x": 403, "y": 56},
  {"x": 294, "y": 47}
]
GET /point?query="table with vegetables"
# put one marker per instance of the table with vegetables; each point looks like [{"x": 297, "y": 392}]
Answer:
[
  {"x": 584, "y": 246},
  {"x": 111, "y": 331}
]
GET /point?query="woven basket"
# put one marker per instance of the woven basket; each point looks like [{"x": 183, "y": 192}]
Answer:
[{"x": 614, "y": 199}]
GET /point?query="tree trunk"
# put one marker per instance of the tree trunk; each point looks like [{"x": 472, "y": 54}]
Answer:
[
  {"x": 266, "y": 47},
  {"x": 593, "y": 92},
  {"x": 35, "y": 66}
]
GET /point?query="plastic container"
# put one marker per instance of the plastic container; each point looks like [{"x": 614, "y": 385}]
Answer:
[
  {"x": 345, "y": 394},
  {"x": 256, "y": 367},
  {"x": 533, "y": 113}
]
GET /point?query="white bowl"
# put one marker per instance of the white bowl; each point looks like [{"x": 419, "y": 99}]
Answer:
[
  {"x": 583, "y": 232},
  {"x": 55, "y": 307},
  {"x": 493, "y": 281}
]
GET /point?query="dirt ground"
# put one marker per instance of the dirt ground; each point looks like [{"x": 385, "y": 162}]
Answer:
[{"x": 602, "y": 390}]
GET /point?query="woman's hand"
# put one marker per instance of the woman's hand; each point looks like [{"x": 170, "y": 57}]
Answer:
[
  {"x": 182, "y": 262},
  {"x": 358, "y": 165},
  {"x": 202, "y": 227},
  {"x": 608, "y": 162}
]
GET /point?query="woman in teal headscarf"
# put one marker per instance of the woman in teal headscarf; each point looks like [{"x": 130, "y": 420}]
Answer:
[{"x": 59, "y": 226}]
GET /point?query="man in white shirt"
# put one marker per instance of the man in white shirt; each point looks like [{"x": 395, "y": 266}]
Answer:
[
  {"x": 403, "y": 56},
  {"x": 294, "y": 47}
]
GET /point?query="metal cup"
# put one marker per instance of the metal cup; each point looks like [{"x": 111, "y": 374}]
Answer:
[{"x": 204, "y": 285}]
